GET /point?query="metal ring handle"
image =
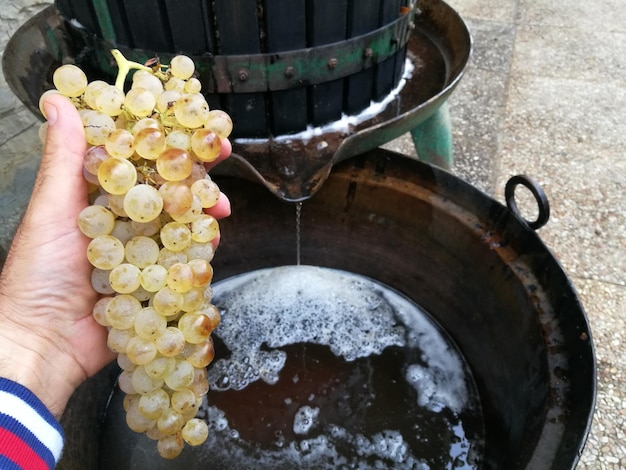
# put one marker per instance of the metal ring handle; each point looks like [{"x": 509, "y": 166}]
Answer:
[{"x": 537, "y": 192}]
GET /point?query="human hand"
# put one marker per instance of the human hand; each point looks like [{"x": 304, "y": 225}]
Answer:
[{"x": 49, "y": 341}]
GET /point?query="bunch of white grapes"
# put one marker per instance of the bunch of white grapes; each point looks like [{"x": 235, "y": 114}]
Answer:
[{"x": 151, "y": 241}]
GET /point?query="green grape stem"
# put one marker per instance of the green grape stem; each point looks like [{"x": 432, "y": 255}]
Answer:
[{"x": 124, "y": 66}]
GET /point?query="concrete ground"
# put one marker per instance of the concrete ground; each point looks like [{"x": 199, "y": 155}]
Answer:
[{"x": 543, "y": 95}]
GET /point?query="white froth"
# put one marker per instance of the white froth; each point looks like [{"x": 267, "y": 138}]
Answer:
[
  {"x": 298, "y": 304},
  {"x": 305, "y": 419},
  {"x": 353, "y": 315},
  {"x": 346, "y": 122}
]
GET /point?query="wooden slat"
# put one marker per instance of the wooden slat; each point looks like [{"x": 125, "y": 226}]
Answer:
[
  {"x": 187, "y": 25},
  {"x": 148, "y": 25},
  {"x": 120, "y": 24},
  {"x": 238, "y": 30},
  {"x": 386, "y": 70},
  {"x": 285, "y": 27},
  {"x": 363, "y": 17},
  {"x": 326, "y": 23}
]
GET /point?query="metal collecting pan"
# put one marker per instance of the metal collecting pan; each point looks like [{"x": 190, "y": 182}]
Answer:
[{"x": 478, "y": 268}]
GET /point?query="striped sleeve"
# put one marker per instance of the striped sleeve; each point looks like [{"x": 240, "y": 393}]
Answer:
[{"x": 30, "y": 437}]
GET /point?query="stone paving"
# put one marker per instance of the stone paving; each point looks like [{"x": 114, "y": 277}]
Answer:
[{"x": 544, "y": 95}]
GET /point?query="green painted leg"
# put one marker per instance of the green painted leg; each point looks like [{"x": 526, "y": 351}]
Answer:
[{"x": 433, "y": 139}]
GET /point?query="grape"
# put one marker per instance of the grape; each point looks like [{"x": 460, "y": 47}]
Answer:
[
  {"x": 184, "y": 401},
  {"x": 147, "y": 81},
  {"x": 175, "y": 236},
  {"x": 143, "y": 124},
  {"x": 203, "y": 251},
  {"x": 200, "y": 385},
  {"x": 70, "y": 80},
  {"x": 204, "y": 228},
  {"x": 177, "y": 197},
  {"x": 193, "y": 86},
  {"x": 151, "y": 243},
  {"x": 191, "y": 110},
  {"x": 140, "y": 102},
  {"x": 94, "y": 221},
  {"x": 179, "y": 140},
  {"x": 121, "y": 311},
  {"x": 124, "y": 382},
  {"x": 219, "y": 122},
  {"x": 153, "y": 278},
  {"x": 182, "y": 67},
  {"x": 171, "y": 342},
  {"x": 213, "y": 314},
  {"x": 141, "y": 251},
  {"x": 109, "y": 100},
  {"x": 175, "y": 84},
  {"x": 116, "y": 204},
  {"x": 170, "y": 446},
  {"x": 124, "y": 278},
  {"x": 193, "y": 299},
  {"x": 181, "y": 377},
  {"x": 153, "y": 404},
  {"x": 202, "y": 272},
  {"x": 143, "y": 383},
  {"x": 105, "y": 252},
  {"x": 180, "y": 277},
  {"x": 147, "y": 228},
  {"x": 100, "y": 282},
  {"x": 174, "y": 164},
  {"x": 195, "y": 327},
  {"x": 167, "y": 301},
  {"x": 94, "y": 157},
  {"x": 117, "y": 175},
  {"x": 160, "y": 367},
  {"x": 201, "y": 354},
  {"x": 165, "y": 101},
  {"x": 143, "y": 203},
  {"x": 125, "y": 363},
  {"x": 149, "y": 142},
  {"x": 99, "y": 311},
  {"x": 206, "y": 145},
  {"x": 97, "y": 126},
  {"x": 207, "y": 191},
  {"x": 141, "y": 351},
  {"x": 138, "y": 422},
  {"x": 120, "y": 143},
  {"x": 149, "y": 324},
  {"x": 168, "y": 257},
  {"x": 195, "y": 432},
  {"x": 92, "y": 91},
  {"x": 191, "y": 214},
  {"x": 118, "y": 339}
]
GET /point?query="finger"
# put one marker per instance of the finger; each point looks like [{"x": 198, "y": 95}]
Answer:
[
  {"x": 221, "y": 209},
  {"x": 60, "y": 176},
  {"x": 225, "y": 152}
]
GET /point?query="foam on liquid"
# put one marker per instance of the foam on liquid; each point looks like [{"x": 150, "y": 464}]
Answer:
[
  {"x": 319, "y": 368},
  {"x": 267, "y": 311}
]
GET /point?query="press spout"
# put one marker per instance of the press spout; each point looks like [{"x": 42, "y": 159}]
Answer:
[{"x": 293, "y": 170}]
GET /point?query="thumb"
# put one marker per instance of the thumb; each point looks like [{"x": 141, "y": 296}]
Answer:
[{"x": 60, "y": 182}]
